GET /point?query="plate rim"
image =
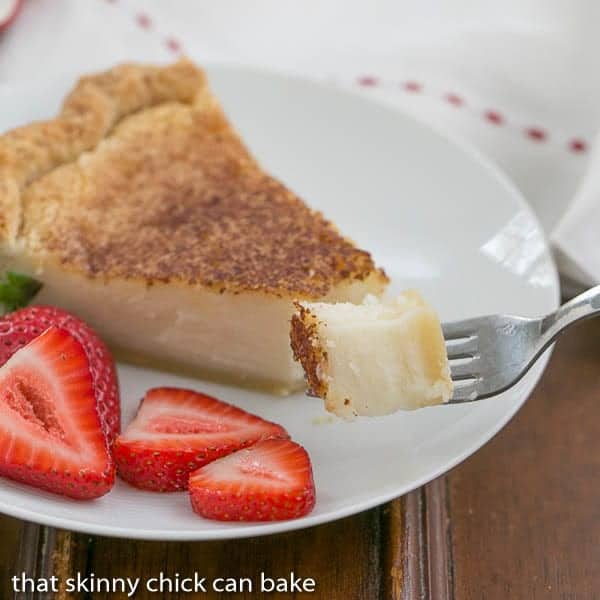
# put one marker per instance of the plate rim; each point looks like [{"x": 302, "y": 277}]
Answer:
[{"x": 270, "y": 528}]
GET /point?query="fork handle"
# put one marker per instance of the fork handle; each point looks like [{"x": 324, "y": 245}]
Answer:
[{"x": 584, "y": 306}]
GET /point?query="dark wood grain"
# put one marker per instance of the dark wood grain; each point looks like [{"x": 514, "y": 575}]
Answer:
[
  {"x": 343, "y": 557},
  {"x": 526, "y": 509},
  {"x": 10, "y": 533},
  {"x": 415, "y": 536}
]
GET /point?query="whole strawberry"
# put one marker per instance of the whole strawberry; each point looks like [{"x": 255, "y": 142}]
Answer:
[{"x": 20, "y": 327}]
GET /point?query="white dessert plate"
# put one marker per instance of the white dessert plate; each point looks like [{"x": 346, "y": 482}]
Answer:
[{"x": 433, "y": 212}]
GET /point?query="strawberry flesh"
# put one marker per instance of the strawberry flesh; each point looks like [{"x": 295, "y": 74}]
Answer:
[
  {"x": 176, "y": 431},
  {"x": 270, "y": 481},
  {"x": 19, "y": 328},
  {"x": 50, "y": 432}
]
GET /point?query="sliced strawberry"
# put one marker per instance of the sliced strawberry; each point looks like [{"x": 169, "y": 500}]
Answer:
[
  {"x": 9, "y": 9},
  {"x": 50, "y": 432},
  {"x": 177, "y": 431},
  {"x": 18, "y": 328},
  {"x": 270, "y": 481}
]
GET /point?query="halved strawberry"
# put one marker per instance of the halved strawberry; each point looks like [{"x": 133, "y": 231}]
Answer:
[
  {"x": 270, "y": 481},
  {"x": 18, "y": 328},
  {"x": 177, "y": 431},
  {"x": 50, "y": 432}
]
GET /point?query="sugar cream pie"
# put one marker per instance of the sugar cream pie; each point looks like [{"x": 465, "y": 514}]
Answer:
[
  {"x": 141, "y": 210},
  {"x": 372, "y": 358}
]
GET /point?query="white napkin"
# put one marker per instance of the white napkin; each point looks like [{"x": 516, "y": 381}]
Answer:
[{"x": 517, "y": 79}]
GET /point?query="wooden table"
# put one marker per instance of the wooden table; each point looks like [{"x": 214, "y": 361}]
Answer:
[{"x": 519, "y": 520}]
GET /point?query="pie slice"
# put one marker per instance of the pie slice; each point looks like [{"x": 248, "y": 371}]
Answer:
[
  {"x": 141, "y": 211},
  {"x": 372, "y": 358}
]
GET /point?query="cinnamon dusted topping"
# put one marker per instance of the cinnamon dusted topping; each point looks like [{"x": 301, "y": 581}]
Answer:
[
  {"x": 308, "y": 350},
  {"x": 144, "y": 178}
]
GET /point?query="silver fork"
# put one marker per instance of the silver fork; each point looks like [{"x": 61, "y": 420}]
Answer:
[{"x": 490, "y": 354}]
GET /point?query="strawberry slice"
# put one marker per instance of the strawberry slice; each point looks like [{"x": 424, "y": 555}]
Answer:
[
  {"x": 270, "y": 481},
  {"x": 176, "y": 431},
  {"x": 50, "y": 432},
  {"x": 9, "y": 9},
  {"x": 18, "y": 328}
]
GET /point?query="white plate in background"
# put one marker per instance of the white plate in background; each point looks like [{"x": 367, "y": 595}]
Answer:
[{"x": 436, "y": 216}]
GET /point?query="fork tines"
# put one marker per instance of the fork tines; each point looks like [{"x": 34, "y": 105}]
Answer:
[{"x": 462, "y": 344}]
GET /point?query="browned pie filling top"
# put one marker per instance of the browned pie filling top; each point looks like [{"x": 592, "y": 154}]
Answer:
[{"x": 142, "y": 177}]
